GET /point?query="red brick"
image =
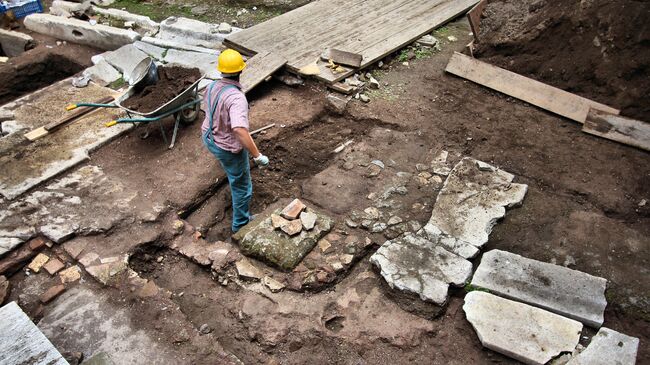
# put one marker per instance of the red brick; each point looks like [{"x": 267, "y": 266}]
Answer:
[
  {"x": 38, "y": 243},
  {"x": 292, "y": 211},
  {"x": 53, "y": 266},
  {"x": 52, "y": 293}
]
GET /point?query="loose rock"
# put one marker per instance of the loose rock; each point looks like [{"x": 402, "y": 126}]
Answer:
[
  {"x": 293, "y": 210},
  {"x": 308, "y": 220},
  {"x": 272, "y": 284},
  {"x": 292, "y": 228},
  {"x": 246, "y": 269},
  {"x": 70, "y": 275}
]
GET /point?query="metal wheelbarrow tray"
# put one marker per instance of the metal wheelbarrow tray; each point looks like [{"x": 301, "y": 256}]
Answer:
[{"x": 184, "y": 106}]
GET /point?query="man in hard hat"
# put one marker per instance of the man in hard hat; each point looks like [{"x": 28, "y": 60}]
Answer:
[{"x": 225, "y": 134}]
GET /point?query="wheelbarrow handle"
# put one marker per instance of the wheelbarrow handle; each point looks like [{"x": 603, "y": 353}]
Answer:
[{"x": 92, "y": 105}]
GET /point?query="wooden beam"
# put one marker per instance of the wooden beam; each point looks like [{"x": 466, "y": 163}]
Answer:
[
  {"x": 474, "y": 17},
  {"x": 534, "y": 92},
  {"x": 620, "y": 129}
]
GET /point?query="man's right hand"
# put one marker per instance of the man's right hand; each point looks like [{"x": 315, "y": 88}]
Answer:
[{"x": 261, "y": 160}]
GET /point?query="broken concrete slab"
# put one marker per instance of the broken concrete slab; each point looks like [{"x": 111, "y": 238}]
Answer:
[
  {"x": 416, "y": 265},
  {"x": 102, "y": 73},
  {"x": 205, "y": 62},
  {"x": 260, "y": 240},
  {"x": 15, "y": 43},
  {"x": 155, "y": 52},
  {"x": 469, "y": 205},
  {"x": 608, "y": 347},
  {"x": 78, "y": 31},
  {"x": 192, "y": 32},
  {"x": 523, "y": 332},
  {"x": 571, "y": 293},
  {"x": 21, "y": 341},
  {"x": 125, "y": 59}
]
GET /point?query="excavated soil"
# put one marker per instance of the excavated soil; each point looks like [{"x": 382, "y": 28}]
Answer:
[
  {"x": 597, "y": 49},
  {"x": 171, "y": 82}
]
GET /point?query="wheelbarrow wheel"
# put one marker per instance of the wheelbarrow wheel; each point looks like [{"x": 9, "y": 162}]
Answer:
[{"x": 189, "y": 115}]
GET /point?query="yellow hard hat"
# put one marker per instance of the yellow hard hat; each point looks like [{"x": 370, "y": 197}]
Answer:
[{"x": 231, "y": 62}]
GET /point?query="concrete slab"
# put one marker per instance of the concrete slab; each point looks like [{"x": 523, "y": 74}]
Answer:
[
  {"x": 21, "y": 342},
  {"x": 469, "y": 204},
  {"x": 260, "y": 240},
  {"x": 417, "y": 265},
  {"x": 608, "y": 347},
  {"x": 192, "y": 32},
  {"x": 125, "y": 59},
  {"x": 26, "y": 165},
  {"x": 525, "y": 333},
  {"x": 14, "y": 43},
  {"x": 93, "y": 325},
  {"x": 556, "y": 288},
  {"x": 204, "y": 62},
  {"x": 102, "y": 73},
  {"x": 78, "y": 31},
  {"x": 155, "y": 52}
]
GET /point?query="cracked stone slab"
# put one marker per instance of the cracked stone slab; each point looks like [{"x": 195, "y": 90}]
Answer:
[
  {"x": 207, "y": 63},
  {"x": 525, "y": 333},
  {"x": 469, "y": 204},
  {"x": 416, "y": 265},
  {"x": 192, "y": 32},
  {"x": 608, "y": 347},
  {"x": 70, "y": 145},
  {"x": 260, "y": 240},
  {"x": 568, "y": 292},
  {"x": 85, "y": 201}
]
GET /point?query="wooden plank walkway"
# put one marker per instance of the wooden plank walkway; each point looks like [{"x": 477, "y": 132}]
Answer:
[
  {"x": 372, "y": 28},
  {"x": 259, "y": 67},
  {"x": 21, "y": 342}
]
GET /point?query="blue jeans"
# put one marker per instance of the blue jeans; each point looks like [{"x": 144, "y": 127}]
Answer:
[{"x": 238, "y": 171}]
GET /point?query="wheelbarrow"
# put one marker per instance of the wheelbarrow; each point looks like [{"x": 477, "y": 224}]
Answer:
[{"x": 184, "y": 107}]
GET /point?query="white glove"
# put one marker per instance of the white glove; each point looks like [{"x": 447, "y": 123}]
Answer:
[{"x": 261, "y": 160}]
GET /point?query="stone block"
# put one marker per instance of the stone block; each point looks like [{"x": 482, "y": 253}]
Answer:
[
  {"x": 140, "y": 20},
  {"x": 155, "y": 52},
  {"x": 78, "y": 31},
  {"x": 191, "y": 32},
  {"x": 70, "y": 275},
  {"x": 416, "y": 265},
  {"x": 125, "y": 59},
  {"x": 15, "y": 43},
  {"x": 523, "y": 332},
  {"x": 608, "y": 347},
  {"x": 556, "y": 288},
  {"x": 179, "y": 46},
  {"x": 205, "y": 62},
  {"x": 102, "y": 73},
  {"x": 469, "y": 204},
  {"x": 53, "y": 266},
  {"x": 260, "y": 240}
]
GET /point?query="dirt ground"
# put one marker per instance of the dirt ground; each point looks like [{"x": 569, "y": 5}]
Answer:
[
  {"x": 171, "y": 82},
  {"x": 582, "y": 211},
  {"x": 597, "y": 49}
]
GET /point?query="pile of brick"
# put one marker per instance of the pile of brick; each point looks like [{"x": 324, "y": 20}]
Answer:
[{"x": 294, "y": 218}]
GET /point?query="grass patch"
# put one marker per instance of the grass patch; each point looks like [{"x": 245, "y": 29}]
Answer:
[
  {"x": 157, "y": 11},
  {"x": 470, "y": 288},
  {"x": 117, "y": 83}
]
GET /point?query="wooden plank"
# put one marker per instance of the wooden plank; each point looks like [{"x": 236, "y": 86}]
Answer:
[
  {"x": 474, "y": 17},
  {"x": 534, "y": 92},
  {"x": 259, "y": 67},
  {"x": 342, "y": 57},
  {"x": 21, "y": 342},
  {"x": 616, "y": 128}
]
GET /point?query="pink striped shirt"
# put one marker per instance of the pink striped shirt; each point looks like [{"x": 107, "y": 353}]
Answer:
[{"x": 231, "y": 112}]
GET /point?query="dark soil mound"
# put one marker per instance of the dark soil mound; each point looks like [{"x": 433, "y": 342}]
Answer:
[
  {"x": 594, "y": 48},
  {"x": 171, "y": 82}
]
